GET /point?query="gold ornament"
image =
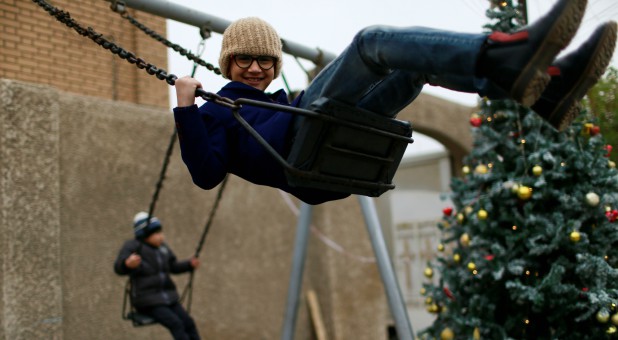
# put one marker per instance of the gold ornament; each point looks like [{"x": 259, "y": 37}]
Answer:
[
  {"x": 537, "y": 170},
  {"x": 481, "y": 169},
  {"x": 468, "y": 210},
  {"x": 482, "y": 214},
  {"x": 603, "y": 316},
  {"x": 611, "y": 164},
  {"x": 423, "y": 291},
  {"x": 592, "y": 199},
  {"x": 447, "y": 334},
  {"x": 575, "y": 236},
  {"x": 515, "y": 188},
  {"x": 456, "y": 258},
  {"x": 464, "y": 239},
  {"x": 476, "y": 334},
  {"x": 465, "y": 169},
  {"x": 524, "y": 192},
  {"x": 428, "y": 272},
  {"x": 433, "y": 308},
  {"x": 460, "y": 218},
  {"x": 428, "y": 300},
  {"x": 471, "y": 266},
  {"x": 440, "y": 247},
  {"x": 611, "y": 330}
]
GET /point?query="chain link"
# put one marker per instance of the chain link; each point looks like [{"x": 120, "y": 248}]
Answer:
[
  {"x": 120, "y": 9},
  {"x": 161, "y": 74}
]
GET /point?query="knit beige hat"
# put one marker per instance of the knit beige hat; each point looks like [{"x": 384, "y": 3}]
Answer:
[{"x": 252, "y": 36}]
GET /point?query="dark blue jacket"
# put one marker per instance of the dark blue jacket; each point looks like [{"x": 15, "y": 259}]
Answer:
[
  {"x": 213, "y": 143},
  {"x": 151, "y": 284}
]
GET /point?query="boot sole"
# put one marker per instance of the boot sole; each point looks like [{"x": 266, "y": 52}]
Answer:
[
  {"x": 568, "y": 108},
  {"x": 533, "y": 79}
]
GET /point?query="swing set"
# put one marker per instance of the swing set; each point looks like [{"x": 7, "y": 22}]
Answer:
[{"x": 337, "y": 148}]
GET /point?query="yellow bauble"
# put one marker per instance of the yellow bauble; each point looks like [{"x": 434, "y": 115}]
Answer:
[
  {"x": 524, "y": 192},
  {"x": 428, "y": 300},
  {"x": 460, "y": 218},
  {"x": 476, "y": 334},
  {"x": 575, "y": 236},
  {"x": 440, "y": 247},
  {"x": 423, "y": 291},
  {"x": 468, "y": 210},
  {"x": 615, "y": 319},
  {"x": 611, "y": 330},
  {"x": 457, "y": 258},
  {"x": 603, "y": 316},
  {"x": 465, "y": 169},
  {"x": 464, "y": 239},
  {"x": 481, "y": 169},
  {"x": 611, "y": 164},
  {"x": 482, "y": 214},
  {"x": 471, "y": 266},
  {"x": 433, "y": 308},
  {"x": 447, "y": 334},
  {"x": 428, "y": 272},
  {"x": 537, "y": 170}
]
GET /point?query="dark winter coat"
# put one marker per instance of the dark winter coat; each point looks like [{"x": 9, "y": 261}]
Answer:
[
  {"x": 151, "y": 284},
  {"x": 213, "y": 143}
]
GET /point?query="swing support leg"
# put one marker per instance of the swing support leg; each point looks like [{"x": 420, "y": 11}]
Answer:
[
  {"x": 389, "y": 279},
  {"x": 296, "y": 275},
  {"x": 393, "y": 293}
]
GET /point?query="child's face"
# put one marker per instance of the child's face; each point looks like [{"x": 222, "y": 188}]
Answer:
[
  {"x": 254, "y": 75},
  {"x": 155, "y": 239}
]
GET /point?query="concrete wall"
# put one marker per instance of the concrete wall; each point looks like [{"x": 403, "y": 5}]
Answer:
[{"x": 76, "y": 169}]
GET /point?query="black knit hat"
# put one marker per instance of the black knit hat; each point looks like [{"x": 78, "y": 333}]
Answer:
[{"x": 142, "y": 229}]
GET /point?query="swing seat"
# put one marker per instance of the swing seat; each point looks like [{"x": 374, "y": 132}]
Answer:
[
  {"x": 139, "y": 320},
  {"x": 338, "y": 147},
  {"x": 356, "y": 152}
]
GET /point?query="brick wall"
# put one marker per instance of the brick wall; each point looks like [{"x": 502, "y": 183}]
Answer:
[{"x": 36, "y": 48}]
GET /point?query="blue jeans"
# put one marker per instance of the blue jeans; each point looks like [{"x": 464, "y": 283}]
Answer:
[{"x": 385, "y": 68}]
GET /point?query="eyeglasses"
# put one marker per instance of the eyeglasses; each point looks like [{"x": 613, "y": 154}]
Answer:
[{"x": 244, "y": 61}]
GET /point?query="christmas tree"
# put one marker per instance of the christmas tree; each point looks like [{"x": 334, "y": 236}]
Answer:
[{"x": 530, "y": 248}]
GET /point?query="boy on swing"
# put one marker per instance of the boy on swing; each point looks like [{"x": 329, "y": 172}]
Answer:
[
  {"x": 383, "y": 70},
  {"x": 149, "y": 262}
]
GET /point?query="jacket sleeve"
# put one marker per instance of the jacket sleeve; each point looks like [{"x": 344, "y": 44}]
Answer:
[
  {"x": 177, "y": 267},
  {"x": 127, "y": 249},
  {"x": 203, "y": 146}
]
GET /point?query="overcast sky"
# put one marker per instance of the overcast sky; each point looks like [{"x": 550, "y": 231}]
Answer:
[{"x": 331, "y": 24}]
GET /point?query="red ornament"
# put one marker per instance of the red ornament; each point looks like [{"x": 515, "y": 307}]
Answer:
[
  {"x": 595, "y": 130},
  {"x": 582, "y": 294},
  {"x": 448, "y": 211},
  {"x": 489, "y": 257},
  {"x": 609, "y": 149},
  {"x": 448, "y": 293},
  {"x": 612, "y": 215},
  {"x": 476, "y": 121}
]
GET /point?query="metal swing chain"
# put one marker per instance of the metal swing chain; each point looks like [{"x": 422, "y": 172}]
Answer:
[
  {"x": 161, "y": 74},
  {"x": 119, "y": 7}
]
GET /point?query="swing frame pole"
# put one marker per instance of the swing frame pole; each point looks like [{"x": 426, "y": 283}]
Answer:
[
  {"x": 389, "y": 279},
  {"x": 215, "y": 24},
  {"x": 395, "y": 299},
  {"x": 296, "y": 273}
]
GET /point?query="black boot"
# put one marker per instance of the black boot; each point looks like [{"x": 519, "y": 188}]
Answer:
[
  {"x": 574, "y": 74},
  {"x": 517, "y": 62}
]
